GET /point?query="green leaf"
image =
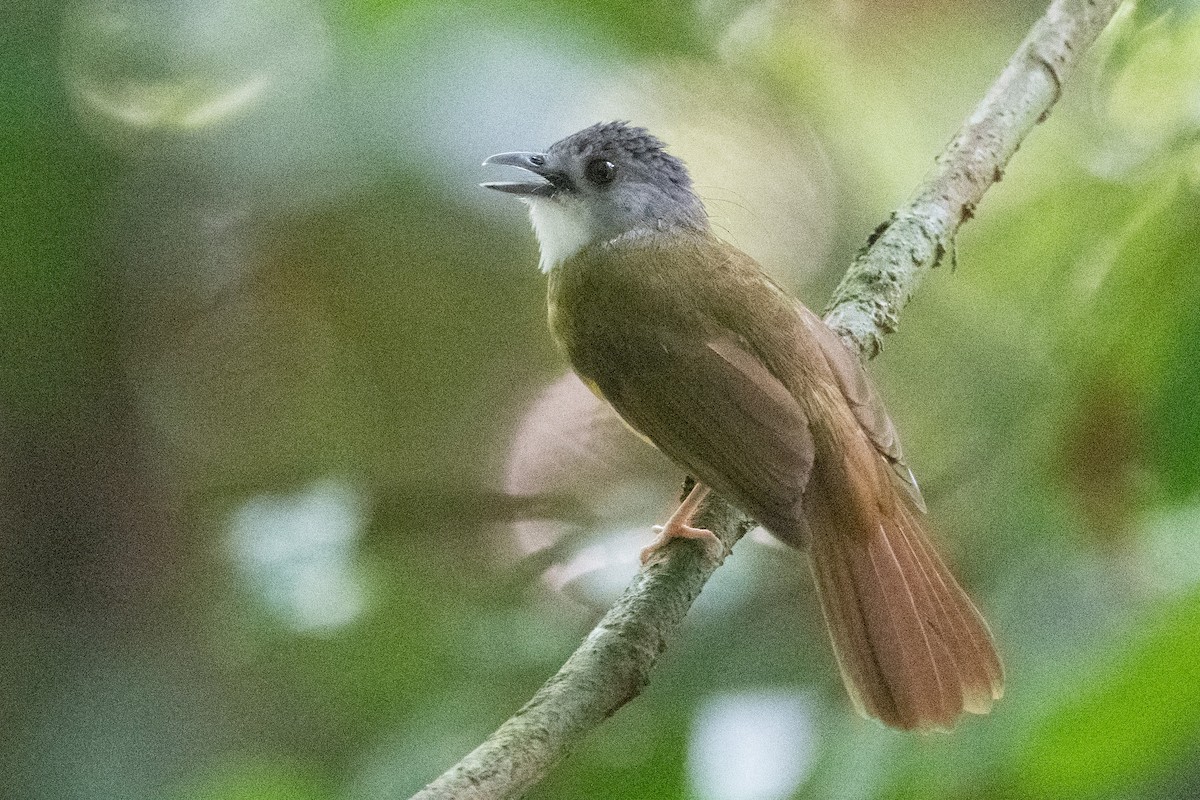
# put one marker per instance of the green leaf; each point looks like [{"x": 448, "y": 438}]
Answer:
[
  {"x": 648, "y": 27},
  {"x": 1133, "y": 720},
  {"x": 251, "y": 780},
  {"x": 1176, "y": 414}
]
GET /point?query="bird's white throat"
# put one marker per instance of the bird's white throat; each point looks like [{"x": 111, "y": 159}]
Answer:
[{"x": 562, "y": 228}]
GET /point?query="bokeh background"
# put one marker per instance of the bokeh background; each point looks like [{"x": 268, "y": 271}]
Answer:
[{"x": 296, "y": 502}]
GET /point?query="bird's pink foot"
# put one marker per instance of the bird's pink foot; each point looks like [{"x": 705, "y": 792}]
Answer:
[{"x": 679, "y": 530}]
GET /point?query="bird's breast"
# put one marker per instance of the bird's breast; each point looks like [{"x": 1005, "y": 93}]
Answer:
[{"x": 594, "y": 300}]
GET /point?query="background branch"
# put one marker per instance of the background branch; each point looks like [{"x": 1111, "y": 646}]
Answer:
[{"x": 614, "y": 662}]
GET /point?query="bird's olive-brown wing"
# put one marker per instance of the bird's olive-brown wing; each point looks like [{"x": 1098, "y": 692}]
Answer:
[
  {"x": 760, "y": 299},
  {"x": 715, "y": 409},
  {"x": 863, "y": 400}
]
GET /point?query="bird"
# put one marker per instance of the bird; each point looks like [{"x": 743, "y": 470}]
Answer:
[{"x": 703, "y": 354}]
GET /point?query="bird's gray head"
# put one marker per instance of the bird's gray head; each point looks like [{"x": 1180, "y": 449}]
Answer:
[{"x": 602, "y": 183}]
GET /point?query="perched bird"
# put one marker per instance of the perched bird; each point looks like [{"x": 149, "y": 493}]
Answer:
[{"x": 703, "y": 354}]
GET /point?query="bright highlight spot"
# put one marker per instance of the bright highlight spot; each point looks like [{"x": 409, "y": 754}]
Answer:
[
  {"x": 296, "y": 552},
  {"x": 138, "y": 67},
  {"x": 752, "y": 746},
  {"x": 1170, "y": 561},
  {"x": 170, "y": 105}
]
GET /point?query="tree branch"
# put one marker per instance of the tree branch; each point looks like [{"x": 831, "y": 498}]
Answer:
[
  {"x": 882, "y": 279},
  {"x": 609, "y": 669},
  {"x": 613, "y": 664}
]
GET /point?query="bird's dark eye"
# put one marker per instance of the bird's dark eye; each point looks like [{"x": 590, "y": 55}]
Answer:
[{"x": 599, "y": 171}]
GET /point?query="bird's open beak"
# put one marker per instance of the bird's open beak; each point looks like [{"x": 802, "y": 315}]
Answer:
[{"x": 544, "y": 186}]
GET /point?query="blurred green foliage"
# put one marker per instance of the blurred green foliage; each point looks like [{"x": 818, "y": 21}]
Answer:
[{"x": 267, "y": 349}]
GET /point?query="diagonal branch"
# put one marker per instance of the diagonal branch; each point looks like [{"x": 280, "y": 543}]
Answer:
[
  {"x": 884, "y": 277},
  {"x": 613, "y": 664},
  {"x": 609, "y": 669}
]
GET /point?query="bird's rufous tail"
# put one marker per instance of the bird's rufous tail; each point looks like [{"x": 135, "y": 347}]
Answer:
[{"x": 913, "y": 649}]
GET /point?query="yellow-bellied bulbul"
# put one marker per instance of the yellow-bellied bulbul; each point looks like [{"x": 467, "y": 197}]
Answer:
[{"x": 703, "y": 354}]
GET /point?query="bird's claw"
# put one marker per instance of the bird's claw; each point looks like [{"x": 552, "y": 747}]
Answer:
[{"x": 712, "y": 544}]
